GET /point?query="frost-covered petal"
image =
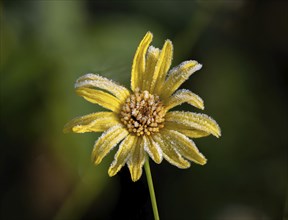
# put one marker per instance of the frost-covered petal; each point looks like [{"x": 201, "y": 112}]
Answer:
[
  {"x": 101, "y": 98},
  {"x": 151, "y": 61},
  {"x": 122, "y": 154},
  {"x": 170, "y": 153},
  {"x": 138, "y": 66},
  {"x": 95, "y": 122},
  {"x": 185, "y": 146},
  {"x": 107, "y": 142},
  {"x": 186, "y": 130},
  {"x": 194, "y": 121},
  {"x": 153, "y": 149},
  {"x": 182, "y": 96},
  {"x": 162, "y": 67},
  {"x": 136, "y": 160},
  {"x": 94, "y": 80},
  {"x": 177, "y": 76}
]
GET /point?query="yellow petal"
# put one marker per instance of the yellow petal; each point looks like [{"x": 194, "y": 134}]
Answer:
[
  {"x": 170, "y": 153},
  {"x": 151, "y": 61},
  {"x": 136, "y": 160},
  {"x": 162, "y": 67},
  {"x": 192, "y": 120},
  {"x": 192, "y": 133},
  {"x": 122, "y": 154},
  {"x": 94, "y": 122},
  {"x": 182, "y": 96},
  {"x": 107, "y": 142},
  {"x": 101, "y": 98},
  {"x": 153, "y": 149},
  {"x": 93, "y": 80},
  {"x": 186, "y": 130},
  {"x": 184, "y": 146},
  {"x": 177, "y": 76},
  {"x": 138, "y": 66}
]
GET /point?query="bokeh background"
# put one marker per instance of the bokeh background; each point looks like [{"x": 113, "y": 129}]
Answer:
[{"x": 47, "y": 45}]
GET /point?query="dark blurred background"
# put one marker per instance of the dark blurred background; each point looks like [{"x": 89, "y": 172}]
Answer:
[{"x": 47, "y": 45}]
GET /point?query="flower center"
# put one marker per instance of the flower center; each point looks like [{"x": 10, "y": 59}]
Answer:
[{"x": 143, "y": 113}]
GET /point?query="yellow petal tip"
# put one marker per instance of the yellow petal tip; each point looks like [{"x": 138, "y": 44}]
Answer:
[
  {"x": 96, "y": 159},
  {"x": 218, "y": 132},
  {"x": 111, "y": 172},
  {"x": 149, "y": 34},
  {"x": 203, "y": 162},
  {"x": 135, "y": 178},
  {"x": 65, "y": 130}
]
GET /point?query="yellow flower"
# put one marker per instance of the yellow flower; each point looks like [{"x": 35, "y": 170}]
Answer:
[{"x": 140, "y": 119}]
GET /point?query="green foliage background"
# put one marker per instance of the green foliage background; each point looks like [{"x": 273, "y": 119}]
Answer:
[{"x": 47, "y": 45}]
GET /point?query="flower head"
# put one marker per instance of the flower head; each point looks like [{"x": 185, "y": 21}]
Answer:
[{"x": 140, "y": 120}]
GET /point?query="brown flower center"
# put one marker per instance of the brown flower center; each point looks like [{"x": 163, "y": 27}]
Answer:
[{"x": 143, "y": 113}]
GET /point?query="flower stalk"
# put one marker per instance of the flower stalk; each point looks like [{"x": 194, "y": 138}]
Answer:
[{"x": 151, "y": 189}]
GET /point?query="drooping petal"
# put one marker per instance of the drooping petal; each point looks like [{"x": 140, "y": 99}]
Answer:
[
  {"x": 153, "y": 149},
  {"x": 162, "y": 67},
  {"x": 177, "y": 76},
  {"x": 122, "y": 155},
  {"x": 192, "y": 120},
  {"x": 184, "y": 146},
  {"x": 101, "y": 98},
  {"x": 136, "y": 160},
  {"x": 151, "y": 61},
  {"x": 138, "y": 66},
  {"x": 107, "y": 142},
  {"x": 94, "y": 122},
  {"x": 182, "y": 96},
  {"x": 94, "y": 80},
  {"x": 170, "y": 153}
]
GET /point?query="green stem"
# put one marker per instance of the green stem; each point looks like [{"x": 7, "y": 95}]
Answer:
[{"x": 151, "y": 189}]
